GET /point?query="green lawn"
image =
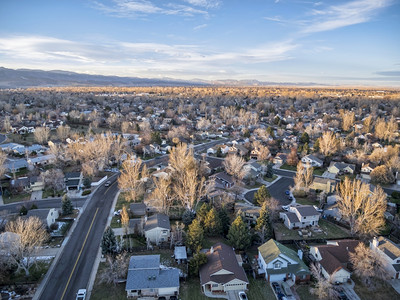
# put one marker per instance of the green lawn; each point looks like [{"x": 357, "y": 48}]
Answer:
[
  {"x": 191, "y": 290},
  {"x": 318, "y": 171},
  {"x": 209, "y": 241},
  {"x": 256, "y": 185},
  {"x": 288, "y": 167},
  {"x": 330, "y": 231},
  {"x": 304, "y": 292},
  {"x": 306, "y": 201},
  {"x": 259, "y": 289},
  {"x": 270, "y": 179},
  {"x": 384, "y": 291},
  {"x": 16, "y": 198}
]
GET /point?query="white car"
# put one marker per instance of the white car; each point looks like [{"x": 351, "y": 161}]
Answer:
[
  {"x": 108, "y": 183},
  {"x": 242, "y": 296},
  {"x": 81, "y": 295}
]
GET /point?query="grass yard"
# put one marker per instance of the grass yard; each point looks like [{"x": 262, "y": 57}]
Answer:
[
  {"x": 270, "y": 179},
  {"x": 330, "y": 231},
  {"x": 107, "y": 291},
  {"x": 318, "y": 171},
  {"x": 209, "y": 241},
  {"x": 288, "y": 167},
  {"x": 121, "y": 201},
  {"x": 384, "y": 291},
  {"x": 191, "y": 290},
  {"x": 259, "y": 289},
  {"x": 306, "y": 201},
  {"x": 254, "y": 186},
  {"x": 16, "y": 198},
  {"x": 304, "y": 292}
]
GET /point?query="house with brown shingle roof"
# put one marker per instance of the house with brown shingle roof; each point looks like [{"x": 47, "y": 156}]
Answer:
[
  {"x": 334, "y": 258},
  {"x": 390, "y": 252},
  {"x": 222, "y": 271}
]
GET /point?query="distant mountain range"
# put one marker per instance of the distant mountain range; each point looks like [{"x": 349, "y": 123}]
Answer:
[{"x": 24, "y": 78}]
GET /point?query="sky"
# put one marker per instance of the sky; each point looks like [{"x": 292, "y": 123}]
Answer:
[{"x": 335, "y": 42}]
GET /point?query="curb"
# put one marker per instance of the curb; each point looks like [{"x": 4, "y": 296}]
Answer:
[
  {"x": 39, "y": 291},
  {"x": 95, "y": 268}
]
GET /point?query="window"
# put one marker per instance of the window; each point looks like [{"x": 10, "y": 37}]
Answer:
[
  {"x": 277, "y": 265},
  {"x": 215, "y": 285}
]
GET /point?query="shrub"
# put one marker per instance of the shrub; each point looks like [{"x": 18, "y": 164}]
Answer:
[
  {"x": 23, "y": 211},
  {"x": 86, "y": 192}
]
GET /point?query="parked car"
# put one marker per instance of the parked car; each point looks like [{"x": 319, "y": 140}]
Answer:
[
  {"x": 242, "y": 296},
  {"x": 108, "y": 183},
  {"x": 287, "y": 192},
  {"x": 81, "y": 295},
  {"x": 285, "y": 207},
  {"x": 278, "y": 290},
  {"x": 342, "y": 295}
]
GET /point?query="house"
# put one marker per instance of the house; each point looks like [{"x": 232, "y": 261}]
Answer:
[
  {"x": 146, "y": 278},
  {"x": 238, "y": 149},
  {"x": 278, "y": 263},
  {"x": 138, "y": 209},
  {"x": 300, "y": 216},
  {"x": 73, "y": 181},
  {"x": 136, "y": 226},
  {"x": 223, "y": 180},
  {"x": 222, "y": 272},
  {"x": 180, "y": 254},
  {"x": 28, "y": 184},
  {"x": 390, "y": 252},
  {"x": 42, "y": 160},
  {"x": 323, "y": 184},
  {"x": 15, "y": 165},
  {"x": 253, "y": 168},
  {"x": 47, "y": 215},
  {"x": 250, "y": 213},
  {"x": 157, "y": 228},
  {"x": 312, "y": 160},
  {"x": 341, "y": 168},
  {"x": 280, "y": 158},
  {"x": 366, "y": 168},
  {"x": 334, "y": 258}
]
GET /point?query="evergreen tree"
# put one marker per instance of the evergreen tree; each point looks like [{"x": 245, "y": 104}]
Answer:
[
  {"x": 156, "y": 138},
  {"x": 306, "y": 148},
  {"x": 187, "y": 217},
  {"x": 219, "y": 152},
  {"x": 109, "y": 242},
  {"x": 66, "y": 206},
  {"x": 225, "y": 221},
  {"x": 263, "y": 225},
  {"x": 196, "y": 262},
  {"x": 212, "y": 223},
  {"x": 305, "y": 138},
  {"x": 239, "y": 234},
  {"x": 261, "y": 195},
  {"x": 270, "y": 171},
  {"x": 202, "y": 213},
  {"x": 316, "y": 146},
  {"x": 195, "y": 235}
]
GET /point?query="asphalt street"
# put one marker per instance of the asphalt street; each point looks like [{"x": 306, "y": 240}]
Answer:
[
  {"x": 73, "y": 269},
  {"x": 277, "y": 191},
  {"x": 44, "y": 203}
]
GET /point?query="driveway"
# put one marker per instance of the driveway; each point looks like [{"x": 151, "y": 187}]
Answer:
[
  {"x": 395, "y": 284},
  {"x": 277, "y": 191},
  {"x": 329, "y": 175},
  {"x": 349, "y": 291},
  {"x": 36, "y": 195}
]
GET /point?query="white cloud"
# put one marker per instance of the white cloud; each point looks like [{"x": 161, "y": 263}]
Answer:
[
  {"x": 350, "y": 13},
  {"x": 200, "y": 27},
  {"x": 205, "y": 3},
  {"x": 137, "y": 8},
  {"x": 136, "y": 59}
]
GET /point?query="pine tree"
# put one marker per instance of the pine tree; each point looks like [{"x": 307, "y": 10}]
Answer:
[
  {"x": 212, "y": 223},
  {"x": 239, "y": 234},
  {"x": 202, "y": 213},
  {"x": 66, "y": 206},
  {"x": 305, "y": 138},
  {"x": 270, "y": 171},
  {"x": 225, "y": 221},
  {"x": 195, "y": 235},
  {"x": 187, "y": 217},
  {"x": 196, "y": 262},
  {"x": 263, "y": 225},
  {"x": 261, "y": 195},
  {"x": 109, "y": 242}
]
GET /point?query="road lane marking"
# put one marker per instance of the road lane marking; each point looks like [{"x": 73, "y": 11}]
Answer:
[{"x": 79, "y": 255}]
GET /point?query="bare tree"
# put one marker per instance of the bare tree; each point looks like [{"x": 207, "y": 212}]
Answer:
[
  {"x": 116, "y": 268},
  {"x": 53, "y": 179},
  {"x": 161, "y": 195},
  {"x": 382, "y": 175},
  {"x": 132, "y": 178},
  {"x": 63, "y": 132},
  {"x": 304, "y": 176},
  {"x": 233, "y": 165},
  {"x": 361, "y": 207},
  {"x": 323, "y": 288},
  {"x": 42, "y": 134},
  {"x": 347, "y": 119},
  {"x": 31, "y": 236},
  {"x": 368, "y": 265},
  {"x": 328, "y": 144}
]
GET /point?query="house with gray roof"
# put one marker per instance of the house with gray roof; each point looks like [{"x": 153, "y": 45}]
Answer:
[
  {"x": 390, "y": 252},
  {"x": 222, "y": 272},
  {"x": 157, "y": 228},
  {"x": 312, "y": 160},
  {"x": 341, "y": 168},
  {"x": 278, "y": 262},
  {"x": 47, "y": 215},
  {"x": 15, "y": 165},
  {"x": 147, "y": 278},
  {"x": 73, "y": 181},
  {"x": 300, "y": 216}
]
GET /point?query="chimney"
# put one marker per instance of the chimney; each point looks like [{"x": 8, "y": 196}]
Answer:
[
  {"x": 212, "y": 250},
  {"x": 300, "y": 254},
  {"x": 375, "y": 242}
]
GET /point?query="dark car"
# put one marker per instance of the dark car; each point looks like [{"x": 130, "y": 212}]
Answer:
[
  {"x": 276, "y": 287},
  {"x": 342, "y": 295},
  {"x": 287, "y": 192}
]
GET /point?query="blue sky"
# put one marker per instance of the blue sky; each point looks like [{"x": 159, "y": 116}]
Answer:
[{"x": 355, "y": 42}]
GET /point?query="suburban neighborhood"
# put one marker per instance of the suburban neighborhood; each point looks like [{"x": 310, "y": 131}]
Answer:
[{"x": 199, "y": 193}]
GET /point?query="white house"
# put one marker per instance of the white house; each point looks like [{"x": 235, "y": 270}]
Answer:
[
  {"x": 339, "y": 167},
  {"x": 312, "y": 160},
  {"x": 279, "y": 263},
  {"x": 222, "y": 272},
  {"x": 300, "y": 216},
  {"x": 157, "y": 228},
  {"x": 390, "y": 252},
  {"x": 147, "y": 279},
  {"x": 334, "y": 258},
  {"x": 47, "y": 216}
]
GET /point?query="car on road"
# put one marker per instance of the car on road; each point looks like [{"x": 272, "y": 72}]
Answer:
[
  {"x": 81, "y": 295},
  {"x": 242, "y": 296},
  {"x": 108, "y": 183},
  {"x": 286, "y": 207}
]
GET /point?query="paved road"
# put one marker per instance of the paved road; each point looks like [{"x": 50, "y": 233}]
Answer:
[
  {"x": 277, "y": 191},
  {"x": 75, "y": 264},
  {"x": 44, "y": 203},
  {"x": 2, "y": 138}
]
